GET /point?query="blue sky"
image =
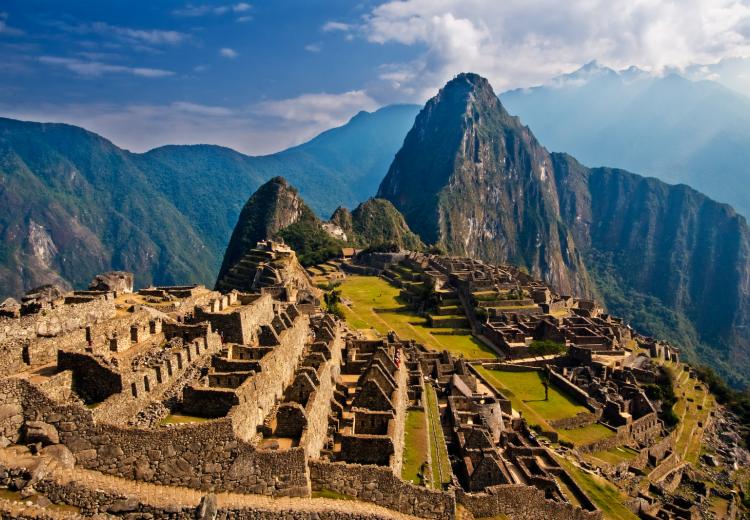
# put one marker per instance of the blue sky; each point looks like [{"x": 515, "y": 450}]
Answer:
[{"x": 260, "y": 76}]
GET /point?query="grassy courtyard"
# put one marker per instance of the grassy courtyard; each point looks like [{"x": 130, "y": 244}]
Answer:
[
  {"x": 373, "y": 303},
  {"x": 603, "y": 493},
  {"x": 416, "y": 445},
  {"x": 526, "y": 394}
]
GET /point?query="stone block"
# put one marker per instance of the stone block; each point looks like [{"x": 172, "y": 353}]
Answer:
[{"x": 38, "y": 431}]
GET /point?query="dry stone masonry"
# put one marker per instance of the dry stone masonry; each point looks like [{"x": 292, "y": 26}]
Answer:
[{"x": 223, "y": 402}]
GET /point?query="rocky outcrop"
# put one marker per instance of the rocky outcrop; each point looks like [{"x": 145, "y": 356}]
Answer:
[
  {"x": 273, "y": 207},
  {"x": 114, "y": 281}
]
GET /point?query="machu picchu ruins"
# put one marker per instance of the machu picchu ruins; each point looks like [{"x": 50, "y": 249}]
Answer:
[{"x": 186, "y": 402}]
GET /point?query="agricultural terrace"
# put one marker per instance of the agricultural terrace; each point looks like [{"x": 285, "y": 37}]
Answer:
[
  {"x": 526, "y": 393},
  {"x": 424, "y": 442},
  {"x": 372, "y": 303}
]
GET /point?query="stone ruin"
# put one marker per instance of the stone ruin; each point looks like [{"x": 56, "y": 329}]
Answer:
[{"x": 256, "y": 391}]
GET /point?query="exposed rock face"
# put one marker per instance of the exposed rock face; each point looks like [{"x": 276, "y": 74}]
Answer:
[
  {"x": 275, "y": 206},
  {"x": 117, "y": 281},
  {"x": 474, "y": 179},
  {"x": 471, "y": 178}
]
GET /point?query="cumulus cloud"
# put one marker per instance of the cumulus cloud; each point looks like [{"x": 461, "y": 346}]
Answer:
[
  {"x": 520, "y": 43},
  {"x": 226, "y": 52},
  {"x": 313, "y": 47},
  {"x": 324, "y": 109},
  {"x": 98, "y": 68}
]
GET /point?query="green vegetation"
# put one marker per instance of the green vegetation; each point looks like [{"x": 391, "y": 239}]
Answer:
[
  {"x": 373, "y": 303},
  {"x": 526, "y": 394},
  {"x": 441, "y": 465},
  {"x": 738, "y": 402},
  {"x": 332, "y": 301},
  {"x": 311, "y": 242},
  {"x": 327, "y": 493},
  {"x": 586, "y": 434},
  {"x": 377, "y": 221},
  {"x": 616, "y": 456},
  {"x": 546, "y": 348},
  {"x": 604, "y": 494},
  {"x": 178, "y": 418},
  {"x": 649, "y": 315},
  {"x": 416, "y": 445}
]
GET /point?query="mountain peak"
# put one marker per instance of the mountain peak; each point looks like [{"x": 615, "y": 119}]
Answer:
[{"x": 471, "y": 178}]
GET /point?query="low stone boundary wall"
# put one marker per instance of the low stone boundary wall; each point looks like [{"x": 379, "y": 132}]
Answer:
[
  {"x": 577, "y": 421},
  {"x": 201, "y": 456},
  {"x": 573, "y": 390},
  {"x": 519, "y": 502},
  {"x": 380, "y": 486}
]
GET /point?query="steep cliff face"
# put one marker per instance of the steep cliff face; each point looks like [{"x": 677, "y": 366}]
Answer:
[
  {"x": 471, "y": 178},
  {"x": 273, "y": 207},
  {"x": 641, "y": 236},
  {"x": 669, "y": 259}
]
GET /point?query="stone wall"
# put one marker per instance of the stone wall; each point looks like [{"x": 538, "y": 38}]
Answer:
[
  {"x": 36, "y": 337},
  {"x": 239, "y": 324},
  {"x": 520, "y": 502},
  {"x": 92, "y": 501},
  {"x": 315, "y": 434},
  {"x": 260, "y": 393},
  {"x": 202, "y": 455},
  {"x": 379, "y": 485}
]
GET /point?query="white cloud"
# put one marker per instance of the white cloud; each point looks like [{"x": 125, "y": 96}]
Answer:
[
  {"x": 128, "y": 35},
  {"x": 191, "y": 10},
  {"x": 519, "y": 43},
  {"x": 6, "y": 29},
  {"x": 226, "y": 52},
  {"x": 313, "y": 47},
  {"x": 336, "y": 26},
  {"x": 98, "y": 68},
  {"x": 326, "y": 110}
]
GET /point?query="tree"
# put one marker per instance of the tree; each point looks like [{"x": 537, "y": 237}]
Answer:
[{"x": 545, "y": 382}]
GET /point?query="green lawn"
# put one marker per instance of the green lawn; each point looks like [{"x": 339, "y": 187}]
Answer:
[
  {"x": 526, "y": 394},
  {"x": 375, "y": 305},
  {"x": 415, "y": 445},
  {"x": 586, "y": 435},
  {"x": 616, "y": 456},
  {"x": 441, "y": 465},
  {"x": 603, "y": 493},
  {"x": 178, "y": 418}
]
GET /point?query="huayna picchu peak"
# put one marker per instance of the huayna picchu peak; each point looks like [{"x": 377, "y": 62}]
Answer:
[{"x": 473, "y": 179}]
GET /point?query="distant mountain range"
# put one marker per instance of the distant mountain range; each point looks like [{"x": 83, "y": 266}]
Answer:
[
  {"x": 74, "y": 204},
  {"x": 474, "y": 180},
  {"x": 667, "y": 258},
  {"x": 671, "y": 128}
]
